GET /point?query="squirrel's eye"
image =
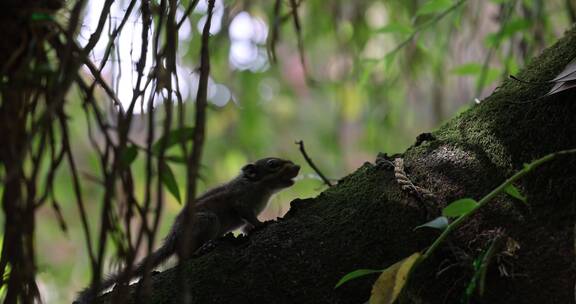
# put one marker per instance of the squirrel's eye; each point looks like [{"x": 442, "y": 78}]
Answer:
[{"x": 273, "y": 163}]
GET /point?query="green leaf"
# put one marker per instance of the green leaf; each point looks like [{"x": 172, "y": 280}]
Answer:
[
  {"x": 527, "y": 167},
  {"x": 515, "y": 26},
  {"x": 396, "y": 28},
  {"x": 512, "y": 66},
  {"x": 40, "y": 17},
  {"x": 172, "y": 138},
  {"x": 179, "y": 159},
  {"x": 434, "y": 6},
  {"x": 392, "y": 280},
  {"x": 472, "y": 285},
  {"x": 468, "y": 69},
  {"x": 389, "y": 60},
  {"x": 491, "y": 76},
  {"x": 128, "y": 155},
  {"x": 355, "y": 274},
  {"x": 509, "y": 29},
  {"x": 480, "y": 265},
  {"x": 439, "y": 223},
  {"x": 169, "y": 181},
  {"x": 492, "y": 40},
  {"x": 476, "y": 69},
  {"x": 514, "y": 192},
  {"x": 459, "y": 207},
  {"x": 368, "y": 66}
]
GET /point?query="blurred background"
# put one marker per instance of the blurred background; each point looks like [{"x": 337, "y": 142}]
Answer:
[{"x": 350, "y": 79}]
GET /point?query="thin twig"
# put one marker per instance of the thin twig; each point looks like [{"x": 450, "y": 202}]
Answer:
[
  {"x": 112, "y": 36},
  {"x": 95, "y": 71},
  {"x": 311, "y": 163},
  {"x": 188, "y": 11},
  {"x": 424, "y": 26},
  {"x": 275, "y": 36},
  {"x": 194, "y": 159},
  {"x": 201, "y": 103},
  {"x": 298, "y": 29},
  {"x": 98, "y": 77},
  {"x": 486, "y": 64},
  {"x": 77, "y": 190},
  {"x": 95, "y": 37}
]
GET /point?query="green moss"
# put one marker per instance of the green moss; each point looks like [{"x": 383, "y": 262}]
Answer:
[{"x": 497, "y": 123}]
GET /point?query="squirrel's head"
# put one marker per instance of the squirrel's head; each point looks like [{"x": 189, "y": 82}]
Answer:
[{"x": 273, "y": 173}]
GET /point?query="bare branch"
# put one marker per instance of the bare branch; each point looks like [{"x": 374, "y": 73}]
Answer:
[{"x": 312, "y": 165}]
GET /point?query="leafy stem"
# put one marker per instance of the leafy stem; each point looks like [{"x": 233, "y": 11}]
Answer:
[{"x": 458, "y": 222}]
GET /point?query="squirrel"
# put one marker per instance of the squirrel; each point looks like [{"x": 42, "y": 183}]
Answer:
[{"x": 233, "y": 205}]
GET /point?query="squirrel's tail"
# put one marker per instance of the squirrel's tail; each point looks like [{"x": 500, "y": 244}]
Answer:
[{"x": 87, "y": 295}]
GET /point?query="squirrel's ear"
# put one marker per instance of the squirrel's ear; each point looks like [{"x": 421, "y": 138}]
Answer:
[{"x": 249, "y": 171}]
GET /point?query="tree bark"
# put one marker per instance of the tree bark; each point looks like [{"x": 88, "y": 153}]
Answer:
[{"x": 368, "y": 221}]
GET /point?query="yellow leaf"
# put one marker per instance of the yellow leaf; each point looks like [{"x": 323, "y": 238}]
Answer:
[
  {"x": 352, "y": 102},
  {"x": 392, "y": 280}
]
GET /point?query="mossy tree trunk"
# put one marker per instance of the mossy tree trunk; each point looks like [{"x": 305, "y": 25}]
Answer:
[{"x": 367, "y": 221}]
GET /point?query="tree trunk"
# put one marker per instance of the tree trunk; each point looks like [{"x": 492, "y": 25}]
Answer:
[{"x": 368, "y": 221}]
